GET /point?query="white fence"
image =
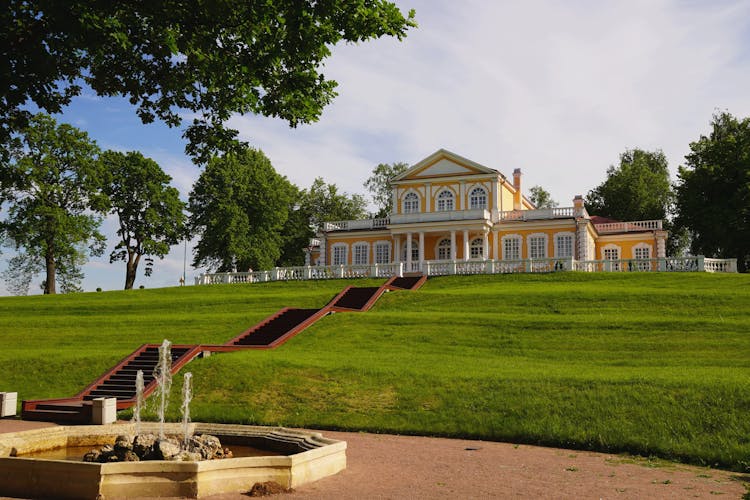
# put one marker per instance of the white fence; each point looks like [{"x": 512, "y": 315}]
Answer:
[{"x": 465, "y": 267}]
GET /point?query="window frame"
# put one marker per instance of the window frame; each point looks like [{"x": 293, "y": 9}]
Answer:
[
  {"x": 376, "y": 254},
  {"x": 443, "y": 199},
  {"x": 476, "y": 248},
  {"x": 474, "y": 198},
  {"x": 566, "y": 235},
  {"x": 533, "y": 240},
  {"x": 406, "y": 205},
  {"x": 356, "y": 253},
  {"x": 337, "y": 247},
  {"x": 517, "y": 240},
  {"x": 440, "y": 248}
]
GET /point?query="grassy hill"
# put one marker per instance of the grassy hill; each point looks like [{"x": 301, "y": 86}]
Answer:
[{"x": 655, "y": 364}]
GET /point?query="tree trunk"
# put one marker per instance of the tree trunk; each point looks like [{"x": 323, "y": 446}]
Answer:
[
  {"x": 131, "y": 267},
  {"x": 49, "y": 283}
]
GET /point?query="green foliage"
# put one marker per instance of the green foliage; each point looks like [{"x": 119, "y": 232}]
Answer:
[
  {"x": 638, "y": 189},
  {"x": 541, "y": 197},
  {"x": 211, "y": 59},
  {"x": 713, "y": 191},
  {"x": 150, "y": 214},
  {"x": 379, "y": 185},
  {"x": 653, "y": 364},
  {"x": 50, "y": 187},
  {"x": 323, "y": 203},
  {"x": 238, "y": 206}
]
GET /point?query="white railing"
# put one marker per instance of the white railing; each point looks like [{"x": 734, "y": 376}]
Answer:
[
  {"x": 466, "y": 267},
  {"x": 542, "y": 213},
  {"x": 477, "y": 213},
  {"x": 624, "y": 227},
  {"x": 720, "y": 265},
  {"x": 353, "y": 225}
]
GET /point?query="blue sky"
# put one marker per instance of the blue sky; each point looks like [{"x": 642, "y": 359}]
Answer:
[{"x": 556, "y": 88}]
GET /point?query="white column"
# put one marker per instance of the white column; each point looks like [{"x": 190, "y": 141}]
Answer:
[
  {"x": 453, "y": 245},
  {"x": 421, "y": 247},
  {"x": 464, "y": 198},
  {"x": 427, "y": 197},
  {"x": 466, "y": 244},
  {"x": 408, "y": 252},
  {"x": 397, "y": 249},
  {"x": 486, "y": 247},
  {"x": 495, "y": 254},
  {"x": 394, "y": 201}
]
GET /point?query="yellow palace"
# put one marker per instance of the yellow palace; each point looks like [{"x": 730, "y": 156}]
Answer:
[{"x": 450, "y": 215}]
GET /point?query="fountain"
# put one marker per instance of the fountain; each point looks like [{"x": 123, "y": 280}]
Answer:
[
  {"x": 187, "y": 396},
  {"x": 138, "y": 401},
  {"x": 293, "y": 457},
  {"x": 163, "y": 377}
]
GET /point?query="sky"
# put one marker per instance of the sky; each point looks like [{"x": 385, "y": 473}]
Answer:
[{"x": 557, "y": 88}]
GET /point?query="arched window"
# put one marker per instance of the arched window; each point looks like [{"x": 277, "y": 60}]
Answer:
[
  {"x": 478, "y": 198},
  {"x": 476, "y": 250},
  {"x": 414, "y": 251},
  {"x": 445, "y": 201},
  {"x": 444, "y": 249},
  {"x": 411, "y": 203}
]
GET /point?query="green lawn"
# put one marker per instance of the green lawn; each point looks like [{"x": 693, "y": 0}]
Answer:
[{"x": 655, "y": 364}]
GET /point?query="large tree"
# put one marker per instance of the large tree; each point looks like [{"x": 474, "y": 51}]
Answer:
[
  {"x": 210, "y": 59},
  {"x": 637, "y": 189},
  {"x": 150, "y": 214},
  {"x": 713, "y": 191},
  {"x": 310, "y": 208},
  {"x": 541, "y": 198},
  {"x": 324, "y": 203},
  {"x": 238, "y": 207},
  {"x": 50, "y": 187},
  {"x": 379, "y": 185}
]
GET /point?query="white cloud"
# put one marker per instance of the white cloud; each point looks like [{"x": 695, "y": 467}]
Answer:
[{"x": 556, "y": 88}]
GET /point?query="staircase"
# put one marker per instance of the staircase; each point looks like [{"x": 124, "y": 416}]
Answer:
[
  {"x": 357, "y": 298},
  {"x": 119, "y": 382},
  {"x": 276, "y": 329}
]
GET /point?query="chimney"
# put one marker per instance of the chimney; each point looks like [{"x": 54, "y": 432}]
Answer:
[
  {"x": 578, "y": 205},
  {"x": 517, "y": 186}
]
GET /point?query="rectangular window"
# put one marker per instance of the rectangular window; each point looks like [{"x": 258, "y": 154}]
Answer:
[
  {"x": 339, "y": 255},
  {"x": 613, "y": 254},
  {"x": 643, "y": 253},
  {"x": 564, "y": 245},
  {"x": 512, "y": 249},
  {"x": 382, "y": 253},
  {"x": 360, "y": 255},
  {"x": 537, "y": 247}
]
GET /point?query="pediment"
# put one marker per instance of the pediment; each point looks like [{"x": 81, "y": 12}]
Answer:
[{"x": 443, "y": 163}]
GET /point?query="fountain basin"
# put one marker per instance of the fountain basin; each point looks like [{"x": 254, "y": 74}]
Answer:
[{"x": 305, "y": 457}]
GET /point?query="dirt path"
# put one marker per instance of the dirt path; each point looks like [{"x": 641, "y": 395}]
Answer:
[{"x": 395, "y": 467}]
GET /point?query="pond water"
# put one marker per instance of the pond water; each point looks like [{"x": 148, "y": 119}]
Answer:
[{"x": 76, "y": 453}]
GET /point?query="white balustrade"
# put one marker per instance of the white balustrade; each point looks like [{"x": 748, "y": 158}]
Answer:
[
  {"x": 625, "y": 227},
  {"x": 468, "y": 267}
]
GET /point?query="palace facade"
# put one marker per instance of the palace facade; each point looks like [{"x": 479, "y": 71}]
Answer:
[{"x": 448, "y": 209}]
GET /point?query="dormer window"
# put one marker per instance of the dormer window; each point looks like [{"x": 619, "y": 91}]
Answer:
[
  {"x": 411, "y": 203},
  {"x": 478, "y": 198},
  {"x": 445, "y": 202}
]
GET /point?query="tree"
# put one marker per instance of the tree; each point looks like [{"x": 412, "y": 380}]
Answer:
[
  {"x": 541, "y": 198},
  {"x": 713, "y": 191},
  {"x": 638, "y": 189},
  {"x": 149, "y": 211},
  {"x": 379, "y": 185},
  {"x": 238, "y": 207},
  {"x": 210, "y": 59},
  {"x": 49, "y": 185},
  {"x": 323, "y": 203}
]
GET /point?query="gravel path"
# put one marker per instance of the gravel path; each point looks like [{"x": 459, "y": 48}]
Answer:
[{"x": 394, "y": 467}]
